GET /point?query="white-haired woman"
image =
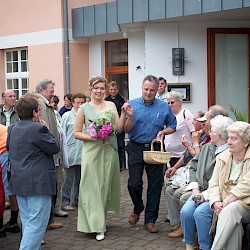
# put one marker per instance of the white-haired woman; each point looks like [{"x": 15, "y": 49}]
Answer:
[
  {"x": 184, "y": 117},
  {"x": 229, "y": 188},
  {"x": 196, "y": 214}
]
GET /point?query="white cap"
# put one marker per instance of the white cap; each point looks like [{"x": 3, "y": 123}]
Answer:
[{"x": 202, "y": 119}]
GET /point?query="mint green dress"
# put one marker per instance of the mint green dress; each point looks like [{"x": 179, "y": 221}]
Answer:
[{"x": 99, "y": 191}]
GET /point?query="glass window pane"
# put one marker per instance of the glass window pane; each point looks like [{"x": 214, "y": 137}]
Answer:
[
  {"x": 117, "y": 53},
  {"x": 24, "y": 91},
  {"x": 23, "y": 66},
  {"x": 15, "y": 83},
  {"x": 17, "y": 94},
  {"x": 24, "y": 83},
  {"x": 9, "y": 84},
  {"x": 24, "y": 55},
  {"x": 231, "y": 55},
  {"x": 8, "y": 56},
  {"x": 15, "y": 55},
  {"x": 122, "y": 80},
  {"x": 15, "y": 66},
  {"x": 9, "y": 67}
]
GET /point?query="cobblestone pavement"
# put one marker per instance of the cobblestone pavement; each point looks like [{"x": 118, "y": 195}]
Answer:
[{"x": 120, "y": 234}]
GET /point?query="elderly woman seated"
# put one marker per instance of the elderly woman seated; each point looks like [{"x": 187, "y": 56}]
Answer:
[
  {"x": 229, "y": 188},
  {"x": 196, "y": 213}
]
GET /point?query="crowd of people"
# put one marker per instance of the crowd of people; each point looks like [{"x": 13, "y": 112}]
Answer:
[{"x": 71, "y": 158}]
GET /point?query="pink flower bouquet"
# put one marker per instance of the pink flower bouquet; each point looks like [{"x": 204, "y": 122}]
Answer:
[{"x": 100, "y": 129}]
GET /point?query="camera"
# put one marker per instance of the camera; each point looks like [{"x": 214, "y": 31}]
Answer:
[{"x": 196, "y": 198}]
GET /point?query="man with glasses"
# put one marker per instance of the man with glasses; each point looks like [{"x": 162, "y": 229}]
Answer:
[{"x": 8, "y": 115}]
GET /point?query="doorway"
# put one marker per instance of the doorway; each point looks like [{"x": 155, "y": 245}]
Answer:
[
  {"x": 116, "y": 64},
  {"x": 228, "y": 70}
]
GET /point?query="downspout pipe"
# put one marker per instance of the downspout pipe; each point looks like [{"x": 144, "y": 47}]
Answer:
[{"x": 66, "y": 46}]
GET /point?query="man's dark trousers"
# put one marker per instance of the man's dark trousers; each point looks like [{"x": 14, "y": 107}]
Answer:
[{"x": 135, "y": 182}]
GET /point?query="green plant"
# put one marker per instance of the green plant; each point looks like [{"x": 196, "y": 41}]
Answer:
[{"x": 239, "y": 115}]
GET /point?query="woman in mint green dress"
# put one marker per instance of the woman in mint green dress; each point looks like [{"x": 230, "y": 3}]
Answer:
[{"x": 99, "y": 191}]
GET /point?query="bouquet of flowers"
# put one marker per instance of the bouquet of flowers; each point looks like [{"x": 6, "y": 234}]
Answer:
[{"x": 101, "y": 128}]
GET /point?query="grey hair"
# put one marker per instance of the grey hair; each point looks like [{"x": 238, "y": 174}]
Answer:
[
  {"x": 216, "y": 110},
  {"x": 220, "y": 124},
  {"x": 43, "y": 85},
  {"x": 201, "y": 113},
  {"x": 151, "y": 78},
  {"x": 176, "y": 95},
  {"x": 242, "y": 129}
]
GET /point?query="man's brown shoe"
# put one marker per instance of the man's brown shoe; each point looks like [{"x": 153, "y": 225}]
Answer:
[
  {"x": 54, "y": 225},
  {"x": 150, "y": 227},
  {"x": 177, "y": 233},
  {"x": 174, "y": 227},
  {"x": 133, "y": 218}
]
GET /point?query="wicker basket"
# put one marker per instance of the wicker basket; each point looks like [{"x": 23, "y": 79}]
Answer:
[{"x": 156, "y": 157}]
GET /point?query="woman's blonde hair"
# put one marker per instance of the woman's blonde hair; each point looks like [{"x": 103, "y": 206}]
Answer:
[{"x": 96, "y": 79}]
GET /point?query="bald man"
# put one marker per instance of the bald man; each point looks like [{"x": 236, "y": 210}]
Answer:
[{"x": 8, "y": 115}]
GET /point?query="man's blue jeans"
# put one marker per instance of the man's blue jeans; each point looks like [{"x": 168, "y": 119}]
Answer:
[
  {"x": 197, "y": 217},
  {"x": 34, "y": 212}
]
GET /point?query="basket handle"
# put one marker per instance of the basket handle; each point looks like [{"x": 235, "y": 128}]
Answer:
[{"x": 152, "y": 145}]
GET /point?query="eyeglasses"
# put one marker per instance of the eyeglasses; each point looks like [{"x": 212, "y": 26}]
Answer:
[{"x": 171, "y": 102}]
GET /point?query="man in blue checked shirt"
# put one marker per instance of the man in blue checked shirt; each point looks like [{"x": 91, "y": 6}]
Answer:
[{"x": 148, "y": 119}]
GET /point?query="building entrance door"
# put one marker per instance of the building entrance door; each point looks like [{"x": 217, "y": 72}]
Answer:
[
  {"x": 228, "y": 70},
  {"x": 117, "y": 64}
]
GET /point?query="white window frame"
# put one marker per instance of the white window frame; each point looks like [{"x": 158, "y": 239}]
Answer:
[{"x": 19, "y": 76}]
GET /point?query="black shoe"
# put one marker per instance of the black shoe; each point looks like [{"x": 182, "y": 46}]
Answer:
[
  {"x": 2, "y": 232},
  {"x": 43, "y": 242},
  {"x": 167, "y": 220},
  {"x": 13, "y": 228}
]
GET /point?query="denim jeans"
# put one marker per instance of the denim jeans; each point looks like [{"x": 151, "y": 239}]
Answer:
[
  {"x": 4, "y": 159},
  {"x": 34, "y": 212},
  {"x": 197, "y": 217},
  {"x": 71, "y": 185}
]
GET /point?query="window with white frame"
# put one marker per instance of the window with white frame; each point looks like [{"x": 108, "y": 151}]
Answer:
[{"x": 17, "y": 71}]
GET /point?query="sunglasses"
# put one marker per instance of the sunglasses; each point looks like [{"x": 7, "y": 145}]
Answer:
[{"x": 171, "y": 102}]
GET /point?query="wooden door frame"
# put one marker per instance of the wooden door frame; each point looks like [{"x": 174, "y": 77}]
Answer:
[
  {"x": 211, "y": 32},
  {"x": 113, "y": 69}
]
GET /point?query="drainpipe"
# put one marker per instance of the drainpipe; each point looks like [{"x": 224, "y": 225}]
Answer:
[{"x": 66, "y": 46}]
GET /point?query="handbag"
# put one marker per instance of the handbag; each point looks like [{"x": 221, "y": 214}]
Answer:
[
  {"x": 156, "y": 157},
  {"x": 228, "y": 186}
]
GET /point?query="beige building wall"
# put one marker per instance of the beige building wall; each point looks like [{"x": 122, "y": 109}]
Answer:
[
  {"x": 1, "y": 73},
  {"x": 27, "y": 16},
  {"x": 46, "y": 61},
  {"x": 79, "y": 67},
  {"x": 40, "y": 28}
]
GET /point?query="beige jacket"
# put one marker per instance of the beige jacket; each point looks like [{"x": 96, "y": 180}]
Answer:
[{"x": 221, "y": 174}]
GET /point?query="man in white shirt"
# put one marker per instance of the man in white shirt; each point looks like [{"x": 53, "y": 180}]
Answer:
[{"x": 162, "y": 89}]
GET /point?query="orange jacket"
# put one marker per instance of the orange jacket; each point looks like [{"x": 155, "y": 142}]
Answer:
[{"x": 3, "y": 138}]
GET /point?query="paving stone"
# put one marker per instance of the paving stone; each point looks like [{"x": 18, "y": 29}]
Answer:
[{"x": 120, "y": 234}]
